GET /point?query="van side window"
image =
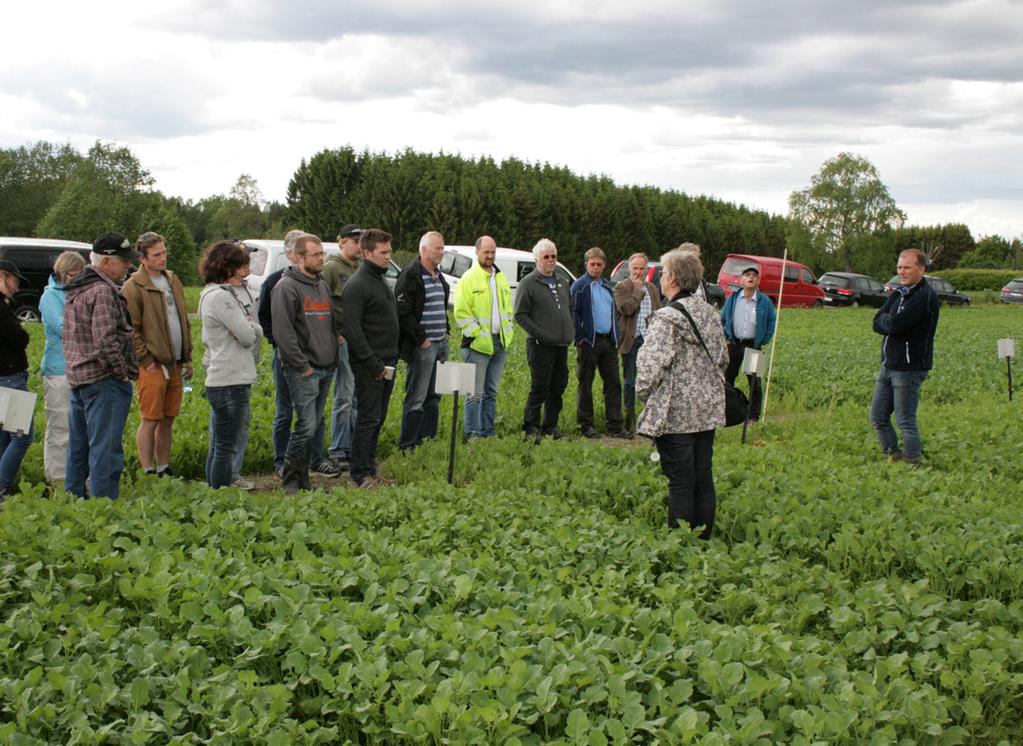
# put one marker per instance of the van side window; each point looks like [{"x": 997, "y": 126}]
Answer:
[
  {"x": 524, "y": 269},
  {"x": 791, "y": 274},
  {"x": 563, "y": 275},
  {"x": 257, "y": 261},
  {"x": 807, "y": 276},
  {"x": 31, "y": 259}
]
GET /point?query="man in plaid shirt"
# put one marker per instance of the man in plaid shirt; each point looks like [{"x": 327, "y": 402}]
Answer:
[{"x": 101, "y": 365}]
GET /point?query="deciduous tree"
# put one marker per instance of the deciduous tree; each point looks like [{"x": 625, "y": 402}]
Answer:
[{"x": 846, "y": 203}]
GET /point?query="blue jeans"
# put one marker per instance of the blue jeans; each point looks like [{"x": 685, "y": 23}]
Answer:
[
  {"x": 629, "y": 373},
  {"x": 95, "y": 433},
  {"x": 283, "y": 412},
  {"x": 308, "y": 396},
  {"x": 229, "y": 425},
  {"x": 421, "y": 408},
  {"x": 687, "y": 460},
  {"x": 342, "y": 420},
  {"x": 897, "y": 391},
  {"x": 12, "y": 445},
  {"x": 481, "y": 407}
]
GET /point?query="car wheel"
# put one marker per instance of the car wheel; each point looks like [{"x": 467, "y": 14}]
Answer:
[
  {"x": 28, "y": 313},
  {"x": 855, "y": 304},
  {"x": 817, "y": 304}
]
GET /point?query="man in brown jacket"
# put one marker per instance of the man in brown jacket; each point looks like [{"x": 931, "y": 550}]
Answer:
[
  {"x": 163, "y": 345},
  {"x": 635, "y": 300}
]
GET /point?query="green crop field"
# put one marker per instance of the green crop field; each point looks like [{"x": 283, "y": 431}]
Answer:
[{"x": 843, "y": 599}]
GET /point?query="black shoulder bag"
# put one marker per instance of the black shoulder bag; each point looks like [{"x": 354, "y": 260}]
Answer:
[{"x": 736, "y": 403}]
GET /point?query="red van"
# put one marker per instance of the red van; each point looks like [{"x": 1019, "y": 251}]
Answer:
[{"x": 800, "y": 284}]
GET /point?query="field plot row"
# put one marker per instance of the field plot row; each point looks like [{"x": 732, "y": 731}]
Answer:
[
  {"x": 843, "y": 599},
  {"x": 551, "y": 611}
]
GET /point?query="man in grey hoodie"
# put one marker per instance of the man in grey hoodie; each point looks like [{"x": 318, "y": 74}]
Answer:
[{"x": 303, "y": 330}]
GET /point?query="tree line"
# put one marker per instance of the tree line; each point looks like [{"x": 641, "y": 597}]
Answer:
[{"x": 845, "y": 220}]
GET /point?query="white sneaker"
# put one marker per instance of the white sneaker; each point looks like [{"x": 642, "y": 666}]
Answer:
[{"x": 243, "y": 484}]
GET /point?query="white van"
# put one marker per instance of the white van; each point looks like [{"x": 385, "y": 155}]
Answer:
[
  {"x": 513, "y": 263},
  {"x": 267, "y": 256}
]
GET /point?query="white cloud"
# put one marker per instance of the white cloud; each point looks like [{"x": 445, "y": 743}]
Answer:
[{"x": 738, "y": 100}]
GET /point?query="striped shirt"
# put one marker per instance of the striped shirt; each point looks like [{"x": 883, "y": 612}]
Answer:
[
  {"x": 645, "y": 307},
  {"x": 435, "y": 315}
]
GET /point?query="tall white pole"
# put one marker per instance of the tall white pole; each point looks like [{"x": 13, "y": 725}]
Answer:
[{"x": 774, "y": 339}]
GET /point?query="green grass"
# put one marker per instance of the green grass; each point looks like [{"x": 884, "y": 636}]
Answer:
[{"x": 541, "y": 600}]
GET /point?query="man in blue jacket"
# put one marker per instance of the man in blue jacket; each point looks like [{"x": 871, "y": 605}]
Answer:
[
  {"x": 748, "y": 319},
  {"x": 596, "y": 342},
  {"x": 908, "y": 320}
]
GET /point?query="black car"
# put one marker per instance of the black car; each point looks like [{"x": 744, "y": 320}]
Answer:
[
  {"x": 1013, "y": 292},
  {"x": 715, "y": 295},
  {"x": 850, "y": 289},
  {"x": 945, "y": 290},
  {"x": 34, "y": 258}
]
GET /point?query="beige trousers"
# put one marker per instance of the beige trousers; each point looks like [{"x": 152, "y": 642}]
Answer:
[{"x": 57, "y": 395}]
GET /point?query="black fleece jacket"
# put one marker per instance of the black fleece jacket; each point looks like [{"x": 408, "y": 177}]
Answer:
[
  {"x": 908, "y": 323},
  {"x": 370, "y": 318}
]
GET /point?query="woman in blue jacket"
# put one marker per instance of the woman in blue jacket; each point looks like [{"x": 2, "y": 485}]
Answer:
[{"x": 56, "y": 393}]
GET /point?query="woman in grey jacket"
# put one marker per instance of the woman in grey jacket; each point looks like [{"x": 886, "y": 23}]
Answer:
[
  {"x": 682, "y": 386},
  {"x": 229, "y": 334}
]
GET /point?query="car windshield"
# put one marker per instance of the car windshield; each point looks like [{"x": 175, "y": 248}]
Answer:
[
  {"x": 454, "y": 264},
  {"x": 735, "y": 266},
  {"x": 1016, "y": 284}
]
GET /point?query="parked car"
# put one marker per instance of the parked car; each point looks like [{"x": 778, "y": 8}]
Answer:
[
  {"x": 850, "y": 289},
  {"x": 715, "y": 295},
  {"x": 34, "y": 258},
  {"x": 800, "y": 287},
  {"x": 1013, "y": 292},
  {"x": 267, "y": 256},
  {"x": 515, "y": 265},
  {"x": 945, "y": 290}
]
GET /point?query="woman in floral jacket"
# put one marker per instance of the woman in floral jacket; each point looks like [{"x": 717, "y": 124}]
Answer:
[{"x": 682, "y": 388}]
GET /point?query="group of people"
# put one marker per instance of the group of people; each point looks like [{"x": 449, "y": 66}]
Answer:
[{"x": 333, "y": 322}]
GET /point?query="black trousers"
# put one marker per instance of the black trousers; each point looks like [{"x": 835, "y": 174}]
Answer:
[
  {"x": 373, "y": 396},
  {"x": 603, "y": 357},
  {"x": 736, "y": 351},
  {"x": 548, "y": 371},
  {"x": 687, "y": 460}
]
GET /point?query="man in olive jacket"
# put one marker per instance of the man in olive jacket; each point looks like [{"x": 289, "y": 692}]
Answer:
[
  {"x": 163, "y": 346},
  {"x": 543, "y": 308}
]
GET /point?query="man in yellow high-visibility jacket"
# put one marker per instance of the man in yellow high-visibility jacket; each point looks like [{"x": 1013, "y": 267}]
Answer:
[{"x": 484, "y": 313}]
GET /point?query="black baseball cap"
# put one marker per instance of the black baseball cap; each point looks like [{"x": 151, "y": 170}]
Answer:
[
  {"x": 350, "y": 231},
  {"x": 115, "y": 243},
  {"x": 752, "y": 268},
  {"x": 6, "y": 265}
]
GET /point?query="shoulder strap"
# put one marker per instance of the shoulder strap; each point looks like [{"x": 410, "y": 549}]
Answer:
[{"x": 677, "y": 305}]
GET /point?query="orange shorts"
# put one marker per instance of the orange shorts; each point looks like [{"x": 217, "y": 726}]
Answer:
[{"x": 160, "y": 396}]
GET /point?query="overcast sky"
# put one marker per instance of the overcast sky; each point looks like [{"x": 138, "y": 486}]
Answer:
[{"x": 738, "y": 100}]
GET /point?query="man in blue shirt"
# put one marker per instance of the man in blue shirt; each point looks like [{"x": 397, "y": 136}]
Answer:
[
  {"x": 596, "y": 341},
  {"x": 748, "y": 320}
]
